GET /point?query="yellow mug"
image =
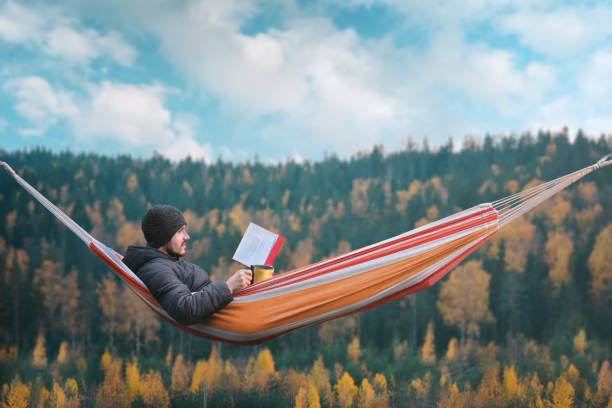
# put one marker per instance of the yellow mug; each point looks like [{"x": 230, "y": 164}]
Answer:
[{"x": 261, "y": 272}]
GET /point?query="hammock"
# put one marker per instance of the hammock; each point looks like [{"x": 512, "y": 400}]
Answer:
[{"x": 346, "y": 284}]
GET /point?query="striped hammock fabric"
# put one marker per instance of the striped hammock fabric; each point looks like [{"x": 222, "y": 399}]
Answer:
[{"x": 349, "y": 283}]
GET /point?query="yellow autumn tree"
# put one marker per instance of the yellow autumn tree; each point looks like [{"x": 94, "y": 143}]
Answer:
[
  {"x": 49, "y": 278},
  {"x": 293, "y": 381},
  {"x": 39, "y": 354},
  {"x": 314, "y": 400},
  {"x": 108, "y": 299},
  {"x": 563, "y": 394},
  {"x": 600, "y": 264},
  {"x": 58, "y": 396},
  {"x": 320, "y": 378},
  {"x": 513, "y": 390},
  {"x": 359, "y": 196},
  {"x": 214, "y": 370},
  {"x": 112, "y": 392},
  {"x": 230, "y": 379},
  {"x": 307, "y": 397},
  {"x": 451, "y": 351},
  {"x": 96, "y": 219},
  {"x": 72, "y": 318},
  {"x": 353, "y": 351},
  {"x": 420, "y": 389},
  {"x": 71, "y": 389},
  {"x": 301, "y": 399},
  {"x": 137, "y": 322},
  {"x": 604, "y": 384},
  {"x": 62, "y": 354},
  {"x": 152, "y": 390},
  {"x": 427, "y": 352},
  {"x": 464, "y": 299},
  {"x": 263, "y": 368},
  {"x": 239, "y": 217},
  {"x": 557, "y": 252},
  {"x": 580, "y": 343},
  {"x": 8, "y": 354},
  {"x": 303, "y": 253},
  {"x": 179, "y": 382},
  {"x": 518, "y": 241},
  {"x": 132, "y": 380},
  {"x": 129, "y": 233},
  {"x": 335, "y": 331},
  {"x": 16, "y": 395},
  {"x": 197, "y": 378},
  {"x": 490, "y": 391},
  {"x": 114, "y": 213},
  {"x": 132, "y": 182},
  {"x": 381, "y": 399},
  {"x": 346, "y": 390},
  {"x": 365, "y": 395}
]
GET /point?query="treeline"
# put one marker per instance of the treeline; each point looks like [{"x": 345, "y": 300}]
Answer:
[
  {"x": 519, "y": 374},
  {"x": 545, "y": 277}
]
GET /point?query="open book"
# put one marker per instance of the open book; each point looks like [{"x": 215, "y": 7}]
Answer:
[{"x": 258, "y": 246}]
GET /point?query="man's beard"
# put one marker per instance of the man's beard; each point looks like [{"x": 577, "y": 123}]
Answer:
[{"x": 172, "y": 253}]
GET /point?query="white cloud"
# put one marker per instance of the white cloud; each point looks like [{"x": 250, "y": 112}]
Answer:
[
  {"x": 486, "y": 77},
  {"x": 597, "y": 81},
  {"x": 562, "y": 32},
  {"x": 130, "y": 114},
  {"x": 310, "y": 87},
  {"x": 39, "y": 103},
  {"x": 19, "y": 24},
  {"x": 317, "y": 79},
  {"x": 60, "y": 36},
  {"x": 3, "y": 124},
  {"x": 135, "y": 116},
  {"x": 82, "y": 47},
  {"x": 185, "y": 145}
]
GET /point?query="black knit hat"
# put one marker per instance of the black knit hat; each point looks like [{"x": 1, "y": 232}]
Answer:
[{"x": 160, "y": 224}]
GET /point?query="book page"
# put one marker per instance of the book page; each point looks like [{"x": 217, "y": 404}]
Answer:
[{"x": 255, "y": 246}]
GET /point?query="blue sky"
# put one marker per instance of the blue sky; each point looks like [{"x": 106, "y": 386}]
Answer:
[{"x": 297, "y": 79}]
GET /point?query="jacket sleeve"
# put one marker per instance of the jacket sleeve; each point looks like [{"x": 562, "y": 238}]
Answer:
[{"x": 184, "y": 306}]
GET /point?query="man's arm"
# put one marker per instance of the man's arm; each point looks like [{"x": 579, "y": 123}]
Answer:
[{"x": 184, "y": 306}]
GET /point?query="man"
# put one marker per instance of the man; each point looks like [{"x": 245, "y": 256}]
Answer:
[{"x": 182, "y": 288}]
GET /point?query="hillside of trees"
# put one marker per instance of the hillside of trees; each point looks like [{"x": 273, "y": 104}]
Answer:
[{"x": 534, "y": 331}]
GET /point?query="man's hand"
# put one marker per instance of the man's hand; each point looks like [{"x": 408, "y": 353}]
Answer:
[{"x": 239, "y": 280}]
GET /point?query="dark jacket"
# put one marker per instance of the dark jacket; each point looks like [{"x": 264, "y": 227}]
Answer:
[{"x": 182, "y": 288}]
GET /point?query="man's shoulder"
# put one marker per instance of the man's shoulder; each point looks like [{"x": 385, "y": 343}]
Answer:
[{"x": 138, "y": 256}]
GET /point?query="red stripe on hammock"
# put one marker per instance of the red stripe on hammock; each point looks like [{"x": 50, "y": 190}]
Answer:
[
  {"x": 386, "y": 252},
  {"x": 308, "y": 269}
]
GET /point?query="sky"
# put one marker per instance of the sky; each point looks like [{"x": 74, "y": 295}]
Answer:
[{"x": 297, "y": 79}]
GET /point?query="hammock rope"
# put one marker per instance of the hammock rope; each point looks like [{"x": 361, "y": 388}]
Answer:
[{"x": 345, "y": 284}]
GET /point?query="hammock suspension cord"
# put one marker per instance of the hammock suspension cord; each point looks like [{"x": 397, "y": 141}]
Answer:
[{"x": 520, "y": 203}]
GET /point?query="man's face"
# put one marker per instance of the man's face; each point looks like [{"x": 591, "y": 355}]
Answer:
[{"x": 177, "y": 246}]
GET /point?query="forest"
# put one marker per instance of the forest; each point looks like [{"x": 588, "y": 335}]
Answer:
[{"x": 534, "y": 331}]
